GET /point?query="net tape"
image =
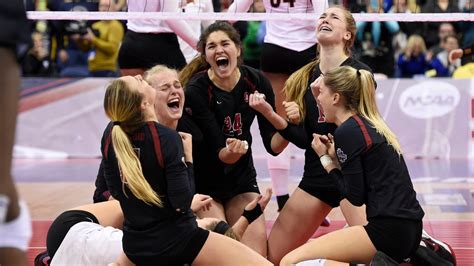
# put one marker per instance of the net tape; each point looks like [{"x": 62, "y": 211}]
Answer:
[{"x": 401, "y": 17}]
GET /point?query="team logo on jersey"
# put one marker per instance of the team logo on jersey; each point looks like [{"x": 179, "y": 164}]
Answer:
[
  {"x": 246, "y": 97},
  {"x": 341, "y": 155},
  {"x": 188, "y": 110}
]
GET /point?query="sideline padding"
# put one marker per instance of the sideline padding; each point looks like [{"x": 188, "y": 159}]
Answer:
[{"x": 408, "y": 17}]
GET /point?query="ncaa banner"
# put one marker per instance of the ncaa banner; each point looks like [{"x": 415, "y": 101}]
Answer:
[{"x": 431, "y": 117}]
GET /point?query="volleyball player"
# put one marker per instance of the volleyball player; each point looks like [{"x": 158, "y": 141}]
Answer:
[
  {"x": 336, "y": 32},
  {"x": 365, "y": 161},
  {"x": 218, "y": 92},
  {"x": 15, "y": 224},
  {"x": 151, "y": 42},
  {"x": 288, "y": 46},
  {"x": 146, "y": 169}
]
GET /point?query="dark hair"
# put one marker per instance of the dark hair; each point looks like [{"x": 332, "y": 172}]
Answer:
[{"x": 199, "y": 63}]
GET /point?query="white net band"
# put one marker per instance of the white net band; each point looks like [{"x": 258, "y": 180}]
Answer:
[{"x": 408, "y": 17}]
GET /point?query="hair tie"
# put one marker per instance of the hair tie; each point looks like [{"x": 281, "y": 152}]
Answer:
[
  {"x": 358, "y": 72},
  {"x": 116, "y": 123},
  {"x": 221, "y": 227}
]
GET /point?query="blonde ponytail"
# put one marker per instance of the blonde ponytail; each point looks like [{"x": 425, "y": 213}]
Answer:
[
  {"x": 358, "y": 89},
  {"x": 297, "y": 84},
  {"x": 122, "y": 104},
  {"x": 368, "y": 109}
]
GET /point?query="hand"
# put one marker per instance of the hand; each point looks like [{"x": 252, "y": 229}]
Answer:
[
  {"x": 89, "y": 36},
  {"x": 320, "y": 144},
  {"x": 187, "y": 146},
  {"x": 261, "y": 199},
  {"x": 331, "y": 148},
  {"x": 258, "y": 103},
  {"x": 63, "y": 56},
  {"x": 237, "y": 146},
  {"x": 201, "y": 203},
  {"x": 454, "y": 55},
  {"x": 315, "y": 85},
  {"x": 206, "y": 223},
  {"x": 292, "y": 112}
]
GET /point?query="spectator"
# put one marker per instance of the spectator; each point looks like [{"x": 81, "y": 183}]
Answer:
[
  {"x": 102, "y": 42},
  {"x": 445, "y": 29},
  {"x": 431, "y": 28},
  {"x": 413, "y": 61},
  {"x": 440, "y": 63},
  {"x": 37, "y": 61}
]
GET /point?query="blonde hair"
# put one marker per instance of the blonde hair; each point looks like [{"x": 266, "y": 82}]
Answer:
[
  {"x": 156, "y": 70},
  {"x": 228, "y": 233},
  {"x": 123, "y": 104},
  {"x": 414, "y": 40},
  {"x": 297, "y": 84},
  {"x": 358, "y": 89}
]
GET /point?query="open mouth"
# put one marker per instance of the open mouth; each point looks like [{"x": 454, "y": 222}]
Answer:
[
  {"x": 222, "y": 62},
  {"x": 174, "y": 104},
  {"x": 324, "y": 28}
]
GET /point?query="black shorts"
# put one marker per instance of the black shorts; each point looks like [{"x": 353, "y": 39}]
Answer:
[
  {"x": 185, "y": 257},
  {"x": 223, "y": 194},
  {"x": 14, "y": 24},
  {"x": 397, "y": 237},
  {"x": 61, "y": 225},
  {"x": 276, "y": 59},
  {"x": 321, "y": 187},
  {"x": 145, "y": 50}
]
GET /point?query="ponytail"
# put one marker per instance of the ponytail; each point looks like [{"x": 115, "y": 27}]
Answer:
[
  {"x": 297, "y": 84},
  {"x": 196, "y": 65}
]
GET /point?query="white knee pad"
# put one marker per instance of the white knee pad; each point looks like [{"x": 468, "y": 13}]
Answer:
[
  {"x": 316, "y": 262},
  {"x": 17, "y": 233},
  {"x": 282, "y": 161}
]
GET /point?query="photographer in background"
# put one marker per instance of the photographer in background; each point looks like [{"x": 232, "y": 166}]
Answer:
[
  {"x": 70, "y": 60},
  {"x": 102, "y": 41}
]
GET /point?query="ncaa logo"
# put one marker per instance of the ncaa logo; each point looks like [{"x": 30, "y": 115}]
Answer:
[{"x": 429, "y": 99}]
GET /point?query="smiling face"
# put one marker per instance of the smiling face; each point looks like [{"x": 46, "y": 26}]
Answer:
[
  {"x": 169, "y": 96},
  {"x": 336, "y": 26},
  {"x": 222, "y": 54}
]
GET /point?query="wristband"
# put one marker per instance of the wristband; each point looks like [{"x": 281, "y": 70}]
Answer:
[
  {"x": 252, "y": 214},
  {"x": 325, "y": 160},
  {"x": 221, "y": 227}
]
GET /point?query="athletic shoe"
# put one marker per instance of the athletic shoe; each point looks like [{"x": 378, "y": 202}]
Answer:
[
  {"x": 382, "y": 259},
  {"x": 42, "y": 259},
  {"x": 326, "y": 222},
  {"x": 442, "y": 249},
  {"x": 425, "y": 256}
]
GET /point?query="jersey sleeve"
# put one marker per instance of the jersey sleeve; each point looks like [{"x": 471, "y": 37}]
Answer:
[
  {"x": 178, "y": 187},
  {"x": 198, "y": 105},
  {"x": 350, "y": 146},
  {"x": 295, "y": 134},
  {"x": 266, "y": 128},
  {"x": 101, "y": 192}
]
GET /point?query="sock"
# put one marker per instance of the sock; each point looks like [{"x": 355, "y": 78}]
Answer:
[{"x": 316, "y": 262}]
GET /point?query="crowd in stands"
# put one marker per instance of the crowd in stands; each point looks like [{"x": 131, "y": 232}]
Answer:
[{"x": 395, "y": 49}]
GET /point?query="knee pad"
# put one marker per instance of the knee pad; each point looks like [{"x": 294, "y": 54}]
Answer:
[{"x": 17, "y": 233}]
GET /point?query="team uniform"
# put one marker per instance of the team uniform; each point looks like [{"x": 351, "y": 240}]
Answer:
[
  {"x": 185, "y": 124},
  {"x": 154, "y": 235},
  {"x": 220, "y": 115},
  {"x": 372, "y": 173},
  {"x": 14, "y": 24},
  {"x": 76, "y": 237},
  {"x": 316, "y": 181},
  {"x": 288, "y": 45},
  {"x": 151, "y": 42}
]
